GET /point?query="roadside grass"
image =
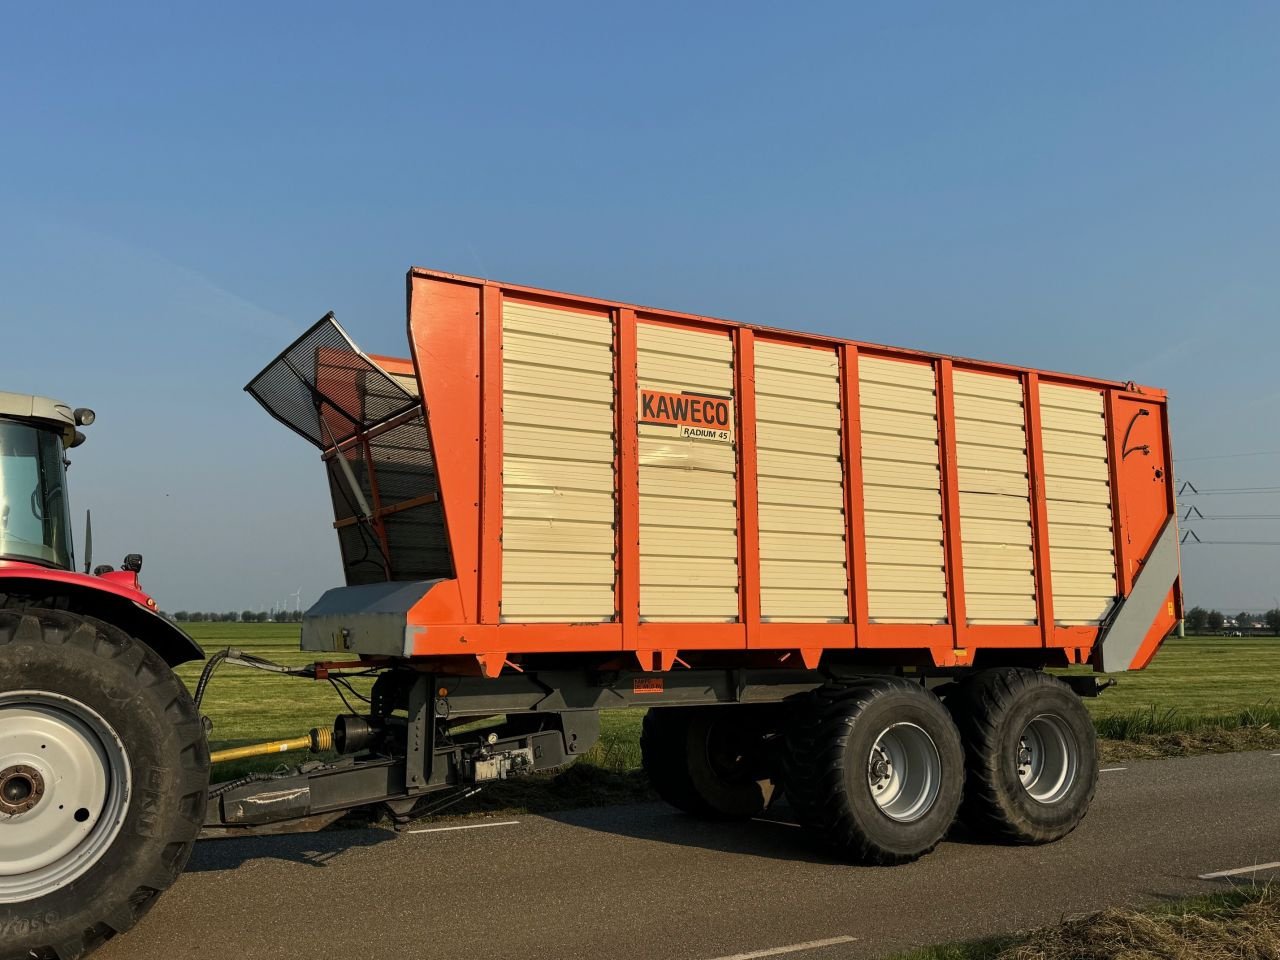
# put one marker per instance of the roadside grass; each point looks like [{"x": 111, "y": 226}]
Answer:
[
  {"x": 1240, "y": 924},
  {"x": 1199, "y": 695}
]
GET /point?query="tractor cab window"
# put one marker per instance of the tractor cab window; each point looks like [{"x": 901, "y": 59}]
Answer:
[{"x": 34, "y": 520}]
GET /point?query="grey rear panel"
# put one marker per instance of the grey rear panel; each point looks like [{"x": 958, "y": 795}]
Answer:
[
  {"x": 1123, "y": 634},
  {"x": 369, "y": 618}
]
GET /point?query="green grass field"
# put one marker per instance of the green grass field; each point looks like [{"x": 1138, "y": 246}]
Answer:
[{"x": 1192, "y": 684}]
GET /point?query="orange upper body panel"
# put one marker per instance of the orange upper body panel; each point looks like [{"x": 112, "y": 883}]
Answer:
[{"x": 1097, "y": 482}]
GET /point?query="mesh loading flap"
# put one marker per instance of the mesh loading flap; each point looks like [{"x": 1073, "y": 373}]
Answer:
[{"x": 325, "y": 389}]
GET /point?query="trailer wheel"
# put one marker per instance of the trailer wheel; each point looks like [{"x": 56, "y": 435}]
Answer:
[
  {"x": 707, "y": 761},
  {"x": 875, "y": 769},
  {"x": 103, "y": 776},
  {"x": 1031, "y": 755}
]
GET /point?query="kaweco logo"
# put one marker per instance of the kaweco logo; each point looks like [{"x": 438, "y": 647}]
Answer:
[{"x": 698, "y": 415}]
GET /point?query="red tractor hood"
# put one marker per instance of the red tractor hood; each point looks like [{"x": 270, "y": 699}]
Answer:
[
  {"x": 115, "y": 598},
  {"x": 122, "y": 583}
]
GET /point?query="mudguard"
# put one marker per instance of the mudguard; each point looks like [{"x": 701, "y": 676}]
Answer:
[{"x": 114, "y": 598}]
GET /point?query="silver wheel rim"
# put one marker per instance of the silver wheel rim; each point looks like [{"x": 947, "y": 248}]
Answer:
[
  {"x": 1048, "y": 759},
  {"x": 64, "y": 792},
  {"x": 904, "y": 772}
]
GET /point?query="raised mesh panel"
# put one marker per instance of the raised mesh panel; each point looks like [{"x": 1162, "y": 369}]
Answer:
[
  {"x": 323, "y": 386},
  {"x": 416, "y": 541},
  {"x": 326, "y": 390}
]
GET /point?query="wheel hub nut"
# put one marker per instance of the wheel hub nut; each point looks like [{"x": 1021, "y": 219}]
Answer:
[{"x": 21, "y": 788}]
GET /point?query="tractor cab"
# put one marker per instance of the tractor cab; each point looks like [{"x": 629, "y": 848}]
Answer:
[{"x": 35, "y": 521}]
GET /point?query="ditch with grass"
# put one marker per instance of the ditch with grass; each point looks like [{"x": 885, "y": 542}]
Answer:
[
  {"x": 1240, "y": 924},
  {"x": 1200, "y": 694}
]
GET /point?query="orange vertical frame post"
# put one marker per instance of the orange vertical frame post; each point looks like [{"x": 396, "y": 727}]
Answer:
[
  {"x": 1115, "y": 457},
  {"x": 748, "y": 485},
  {"x": 953, "y": 545},
  {"x": 1039, "y": 507},
  {"x": 490, "y": 601},
  {"x": 851, "y": 449},
  {"x": 628, "y": 477}
]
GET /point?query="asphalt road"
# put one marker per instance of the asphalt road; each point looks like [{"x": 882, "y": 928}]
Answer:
[{"x": 643, "y": 881}]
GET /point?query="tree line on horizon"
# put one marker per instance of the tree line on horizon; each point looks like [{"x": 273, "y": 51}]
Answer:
[
  {"x": 243, "y": 616},
  {"x": 1198, "y": 620}
]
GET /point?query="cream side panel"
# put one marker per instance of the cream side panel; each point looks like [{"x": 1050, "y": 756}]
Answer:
[
  {"x": 534, "y": 411},
  {"x": 797, "y": 410},
  {"x": 884, "y": 396},
  {"x": 1074, "y": 399},
  {"x": 1078, "y": 495},
  {"x": 900, "y": 449},
  {"x": 917, "y": 476},
  {"x": 808, "y": 465},
  {"x": 995, "y": 517},
  {"x": 561, "y": 324},
  {"x": 817, "y": 493},
  {"x": 407, "y": 381},
  {"x": 902, "y": 495},
  {"x": 688, "y": 488},
  {"x": 998, "y": 556},
  {"x": 800, "y": 483},
  {"x": 788, "y": 545},
  {"x": 986, "y": 386},
  {"x": 896, "y": 372},
  {"x": 558, "y": 487},
  {"x": 676, "y": 541},
  {"x": 557, "y": 535},
  {"x": 903, "y": 500},
  {"x": 799, "y": 386},
  {"x": 983, "y": 480}
]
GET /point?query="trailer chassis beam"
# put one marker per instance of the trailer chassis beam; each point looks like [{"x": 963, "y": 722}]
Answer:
[{"x": 548, "y": 718}]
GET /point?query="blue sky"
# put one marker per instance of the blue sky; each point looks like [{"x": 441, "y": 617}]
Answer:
[{"x": 184, "y": 188}]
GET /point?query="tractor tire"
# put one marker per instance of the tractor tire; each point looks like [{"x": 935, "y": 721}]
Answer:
[
  {"x": 104, "y": 772},
  {"x": 708, "y": 761},
  {"x": 1031, "y": 755},
  {"x": 874, "y": 770}
]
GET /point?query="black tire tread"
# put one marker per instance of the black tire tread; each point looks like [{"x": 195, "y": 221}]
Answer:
[
  {"x": 662, "y": 755},
  {"x": 977, "y": 705},
  {"x": 674, "y": 751},
  {"x": 814, "y": 766},
  {"x": 103, "y": 641}
]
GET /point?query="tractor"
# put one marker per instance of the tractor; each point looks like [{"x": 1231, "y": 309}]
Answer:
[{"x": 104, "y": 767}]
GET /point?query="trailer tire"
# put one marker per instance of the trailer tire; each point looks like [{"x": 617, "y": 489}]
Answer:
[
  {"x": 707, "y": 761},
  {"x": 1031, "y": 755},
  {"x": 89, "y": 713},
  {"x": 837, "y": 743}
]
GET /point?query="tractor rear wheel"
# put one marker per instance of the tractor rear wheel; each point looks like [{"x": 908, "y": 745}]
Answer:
[
  {"x": 1031, "y": 755},
  {"x": 104, "y": 772},
  {"x": 708, "y": 761},
  {"x": 875, "y": 769}
]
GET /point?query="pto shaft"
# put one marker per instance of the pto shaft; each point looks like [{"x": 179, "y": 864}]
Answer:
[{"x": 317, "y": 741}]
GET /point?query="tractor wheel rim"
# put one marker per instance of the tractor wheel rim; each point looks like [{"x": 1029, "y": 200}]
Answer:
[
  {"x": 1048, "y": 759},
  {"x": 904, "y": 772},
  {"x": 64, "y": 792}
]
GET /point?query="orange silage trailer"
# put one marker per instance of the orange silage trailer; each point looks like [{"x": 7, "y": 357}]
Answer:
[
  {"x": 835, "y": 571},
  {"x": 837, "y": 566}
]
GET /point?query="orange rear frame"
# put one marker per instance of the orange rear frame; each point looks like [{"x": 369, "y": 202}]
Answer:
[{"x": 455, "y": 332}]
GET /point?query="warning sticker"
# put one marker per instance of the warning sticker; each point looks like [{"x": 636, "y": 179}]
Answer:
[
  {"x": 646, "y": 685},
  {"x": 700, "y": 416}
]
